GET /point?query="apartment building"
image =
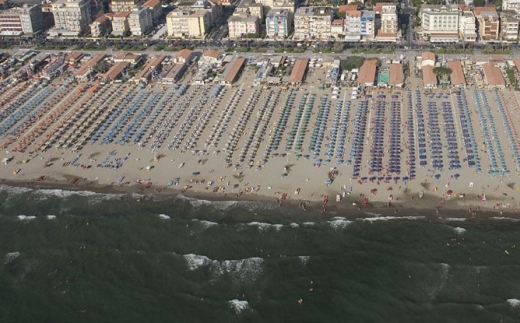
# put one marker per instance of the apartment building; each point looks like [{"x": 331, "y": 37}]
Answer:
[
  {"x": 155, "y": 7},
  {"x": 71, "y": 17},
  {"x": 21, "y": 20},
  {"x": 489, "y": 23},
  {"x": 467, "y": 26},
  {"x": 337, "y": 29},
  {"x": 123, "y": 5},
  {"x": 509, "y": 23},
  {"x": 120, "y": 25},
  {"x": 511, "y": 5},
  {"x": 243, "y": 26},
  {"x": 440, "y": 23},
  {"x": 368, "y": 25},
  {"x": 213, "y": 8},
  {"x": 188, "y": 23},
  {"x": 102, "y": 25},
  {"x": 312, "y": 23},
  {"x": 140, "y": 21},
  {"x": 386, "y": 21},
  {"x": 251, "y": 8},
  {"x": 352, "y": 24},
  {"x": 278, "y": 23}
]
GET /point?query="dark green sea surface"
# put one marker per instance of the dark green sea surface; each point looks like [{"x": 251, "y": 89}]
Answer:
[{"x": 112, "y": 259}]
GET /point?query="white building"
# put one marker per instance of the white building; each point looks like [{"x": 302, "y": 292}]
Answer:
[
  {"x": 352, "y": 25},
  {"x": 120, "y": 25},
  {"x": 337, "y": 29},
  {"x": 312, "y": 23},
  {"x": 243, "y": 26},
  {"x": 511, "y": 5},
  {"x": 278, "y": 23},
  {"x": 188, "y": 23},
  {"x": 468, "y": 26},
  {"x": 440, "y": 23},
  {"x": 71, "y": 17},
  {"x": 509, "y": 23},
  {"x": 368, "y": 25},
  {"x": 386, "y": 14},
  {"x": 26, "y": 19},
  {"x": 140, "y": 21}
]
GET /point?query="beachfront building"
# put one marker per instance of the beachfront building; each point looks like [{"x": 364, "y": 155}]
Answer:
[
  {"x": 352, "y": 24},
  {"x": 440, "y": 23},
  {"x": 386, "y": 22},
  {"x": 101, "y": 26},
  {"x": 509, "y": 23},
  {"x": 120, "y": 25},
  {"x": 140, "y": 21},
  {"x": 457, "y": 77},
  {"x": 367, "y": 73},
  {"x": 71, "y": 17},
  {"x": 123, "y": 5},
  {"x": 211, "y": 57},
  {"x": 183, "y": 56},
  {"x": 233, "y": 69},
  {"x": 312, "y": 23},
  {"x": 396, "y": 75},
  {"x": 298, "y": 71},
  {"x": 115, "y": 73},
  {"x": 278, "y": 23},
  {"x": 245, "y": 26},
  {"x": 493, "y": 76},
  {"x": 155, "y": 8},
  {"x": 26, "y": 20},
  {"x": 337, "y": 29},
  {"x": 488, "y": 22},
  {"x": 132, "y": 59},
  {"x": 467, "y": 26},
  {"x": 151, "y": 69},
  {"x": 428, "y": 77},
  {"x": 368, "y": 25},
  {"x": 188, "y": 23},
  {"x": 427, "y": 59},
  {"x": 86, "y": 70}
]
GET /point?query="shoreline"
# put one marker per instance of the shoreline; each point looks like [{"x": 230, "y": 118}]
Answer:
[{"x": 449, "y": 212}]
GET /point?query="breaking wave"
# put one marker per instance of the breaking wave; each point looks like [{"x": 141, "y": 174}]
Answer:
[
  {"x": 239, "y": 306},
  {"x": 248, "y": 268}
]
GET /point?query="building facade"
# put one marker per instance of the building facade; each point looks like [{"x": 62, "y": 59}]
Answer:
[
  {"x": 243, "y": 26},
  {"x": 22, "y": 20},
  {"x": 439, "y": 19},
  {"x": 312, "y": 23},
  {"x": 188, "y": 23},
  {"x": 123, "y": 5},
  {"x": 101, "y": 26},
  {"x": 120, "y": 25},
  {"x": 155, "y": 7},
  {"x": 488, "y": 22},
  {"x": 368, "y": 25},
  {"x": 467, "y": 26},
  {"x": 352, "y": 26},
  {"x": 71, "y": 16},
  {"x": 278, "y": 23},
  {"x": 386, "y": 14},
  {"x": 509, "y": 23},
  {"x": 140, "y": 21}
]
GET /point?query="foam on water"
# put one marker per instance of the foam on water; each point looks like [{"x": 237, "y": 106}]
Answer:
[
  {"x": 15, "y": 190},
  {"x": 387, "y": 218},
  {"x": 459, "y": 230},
  {"x": 226, "y": 205},
  {"x": 26, "y": 217},
  {"x": 243, "y": 269},
  {"x": 514, "y": 302},
  {"x": 239, "y": 306},
  {"x": 11, "y": 256},
  {"x": 51, "y": 217},
  {"x": 204, "y": 223},
  {"x": 501, "y": 218},
  {"x": 339, "y": 222},
  {"x": 164, "y": 216},
  {"x": 308, "y": 223},
  {"x": 304, "y": 259},
  {"x": 455, "y": 219},
  {"x": 295, "y": 225},
  {"x": 264, "y": 226}
]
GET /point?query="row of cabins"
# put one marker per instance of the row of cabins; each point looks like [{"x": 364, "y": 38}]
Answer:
[{"x": 394, "y": 76}]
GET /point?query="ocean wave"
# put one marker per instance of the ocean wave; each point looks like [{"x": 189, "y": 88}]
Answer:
[
  {"x": 339, "y": 222},
  {"x": 26, "y": 217},
  {"x": 264, "y": 226},
  {"x": 308, "y": 223},
  {"x": 239, "y": 306},
  {"x": 454, "y": 219},
  {"x": 294, "y": 225},
  {"x": 164, "y": 217},
  {"x": 227, "y": 205},
  {"x": 459, "y": 230},
  {"x": 514, "y": 302},
  {"x": 11, "y": 256},
  {"x": 243, "y": 269},
  {"x": 204, "y": 223},
  {"x": 51, "y": 217},
  {"x": 387, "y": 218},
  {"x": 501, "y": 218},
  {"x": 14, "y": 189}
]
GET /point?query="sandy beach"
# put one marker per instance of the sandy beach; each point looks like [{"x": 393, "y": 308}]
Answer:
[{"x": 306, "y": 145}]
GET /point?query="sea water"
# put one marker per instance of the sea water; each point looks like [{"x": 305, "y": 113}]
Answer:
[{"x": 93, "y": 258}]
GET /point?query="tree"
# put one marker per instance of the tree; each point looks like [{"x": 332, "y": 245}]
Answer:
[
  {"x": 338, "y": 47},
  {"x": 442, "y": 72},
  {"x": 352, "y": 62}
]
